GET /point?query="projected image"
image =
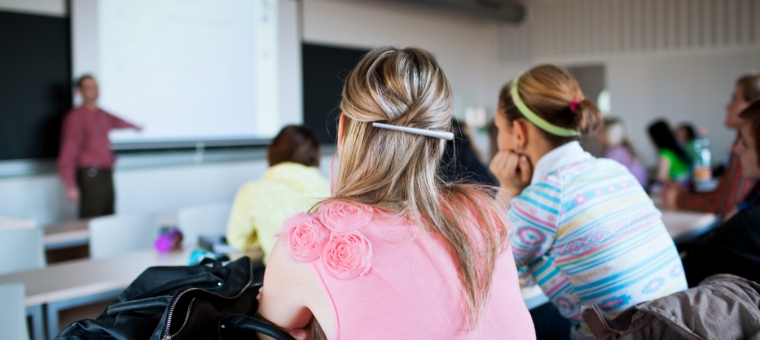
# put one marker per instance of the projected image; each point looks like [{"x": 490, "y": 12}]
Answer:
[{"x": 188, "y": 70}]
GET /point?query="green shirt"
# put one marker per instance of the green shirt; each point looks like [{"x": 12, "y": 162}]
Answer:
[{"x": 679, "y": 170}]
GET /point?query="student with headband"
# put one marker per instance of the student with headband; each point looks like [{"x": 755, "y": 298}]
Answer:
[
  {"x": 396, "y": 252},
  {"x": 582, "y": 228}
]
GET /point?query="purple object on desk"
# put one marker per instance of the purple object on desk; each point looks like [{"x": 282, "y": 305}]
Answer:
[{"x": 169, "y": 240}]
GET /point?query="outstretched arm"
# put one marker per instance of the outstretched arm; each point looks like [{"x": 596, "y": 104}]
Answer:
[{"x": 118, "y": 123}]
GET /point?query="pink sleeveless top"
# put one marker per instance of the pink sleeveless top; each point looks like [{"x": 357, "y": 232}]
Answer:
[{"x": 386, "y": 278}]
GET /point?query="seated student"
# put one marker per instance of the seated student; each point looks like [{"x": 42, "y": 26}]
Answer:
[
  {"x": 292, "y": 184},
  {"x": 673, "y": 163},
  {"x": 618, "y": 147},
  {"x": 396, "y": 253},
  {"x": 582, "y": 227},
  {"x": 461, "y": 160},
  {"x": 734, "y": 247},
  {"x": 732, "y": 188}
]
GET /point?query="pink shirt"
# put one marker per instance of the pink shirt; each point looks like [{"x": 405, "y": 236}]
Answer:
[
  {"x": 388, "y": 279},
  {"x": 84, "y": 141}
]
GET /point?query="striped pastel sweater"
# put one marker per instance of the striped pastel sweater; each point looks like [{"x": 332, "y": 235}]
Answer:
[{"x": 589, "y": 234}]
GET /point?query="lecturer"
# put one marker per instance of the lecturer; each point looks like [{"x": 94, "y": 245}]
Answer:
[{"x": 85, "y": 161}]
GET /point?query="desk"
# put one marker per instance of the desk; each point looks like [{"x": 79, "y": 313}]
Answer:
[
  {"x": 66, "y": 235},
  {"x": 16, "y": 223},
  {"x": 533, "y": 296},
  {"x": 81, "y": 282},
  {"x": 682, "y": 224}
]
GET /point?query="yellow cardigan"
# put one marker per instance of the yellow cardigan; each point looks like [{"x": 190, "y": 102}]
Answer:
[{"x": 262, "y": 206}]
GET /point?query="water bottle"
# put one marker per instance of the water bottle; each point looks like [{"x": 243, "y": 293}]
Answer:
[{"x": 702, "y": 167}]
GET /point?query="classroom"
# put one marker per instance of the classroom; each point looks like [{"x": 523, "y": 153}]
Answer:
[{"x": 411, "y": 169}]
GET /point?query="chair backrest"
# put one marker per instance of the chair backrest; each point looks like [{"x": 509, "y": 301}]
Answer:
[
  {"x": 21, "y": 249},
  {"x": 117, "y": 234},
  {"x": 207, "y": 219},
  {"x": 12, "y": 312}
]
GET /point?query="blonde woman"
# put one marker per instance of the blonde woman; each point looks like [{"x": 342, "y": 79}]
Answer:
[
  {"x": 618, "y": 147},
  {"x": 396, "y": 253}
]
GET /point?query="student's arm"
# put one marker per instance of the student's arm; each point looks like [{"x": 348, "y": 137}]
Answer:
[
  {"x": 534, "y": 218},
  {"x": 289, "y": 286},
  {"x": 731, "y": 190},
  {"x": 663, "y": 169}
]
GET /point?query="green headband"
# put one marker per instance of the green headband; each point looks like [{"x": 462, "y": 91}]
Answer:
[{"x": 535, "y": 119}]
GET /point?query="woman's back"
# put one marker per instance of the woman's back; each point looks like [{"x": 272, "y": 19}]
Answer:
[
  {"x": 387, "y": 278},
  {"x": 357, "y": 279},
  {"x": 591, "y": 236},
  {"x": 679, "y": 168},
  {"x": 261, "y": 206}
]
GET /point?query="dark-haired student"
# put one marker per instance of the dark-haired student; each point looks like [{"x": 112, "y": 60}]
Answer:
[
  {"x": 85, "y": 160},
  {"x": 582, "y": 227},
  {"x": 734, "y": 247},
  {"x": 461, "y": 161},
  {"x": 673, "y": 163},
  {"x": 291, "y": 185}
]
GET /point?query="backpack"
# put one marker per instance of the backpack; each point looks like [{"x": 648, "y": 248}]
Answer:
[
  {"x": 722, "y": 307},
  {"x": 206, "y": 301}
]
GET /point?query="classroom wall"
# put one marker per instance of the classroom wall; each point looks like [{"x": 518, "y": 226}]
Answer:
[
  {"x": 465, "y": 46},
  {"x": 40, "y": 7},
  {"x": 161, "y": 190},
  {"x": 687, "y": 86},
  {"x": 693, "y": 87},
  {"x": 478, "y": 56},
  {"x": 664, "y": 58}
]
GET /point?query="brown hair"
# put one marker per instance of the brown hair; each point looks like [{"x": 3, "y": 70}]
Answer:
[
  {"x": 297, "y": 144},
  {"x": 751, "y": 115},
  {"x": 78, "y": 82},
  {"x": 399, "y": 172},
  {"x": 548, "y": 91},
  {"x": 750, "y": 84}
]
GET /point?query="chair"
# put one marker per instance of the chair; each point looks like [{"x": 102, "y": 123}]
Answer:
[
  {"x": 21, "y": 249},
  {"x": 12, "y": 312},
  {"x": 208, "y": 219},
  {"x": 117, "y": 234}
]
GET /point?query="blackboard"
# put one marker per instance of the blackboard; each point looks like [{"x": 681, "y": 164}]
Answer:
[
  {"x": 35, "y": 84},
  {"x": 325, "y": 69}
]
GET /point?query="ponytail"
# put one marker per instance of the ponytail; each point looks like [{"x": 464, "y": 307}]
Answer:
[
  {"x": 553, "y": 95},
  {"x": 588, "y": 118}
]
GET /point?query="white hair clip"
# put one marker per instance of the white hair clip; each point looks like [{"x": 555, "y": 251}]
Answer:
[{"x": 422, "y": 132}]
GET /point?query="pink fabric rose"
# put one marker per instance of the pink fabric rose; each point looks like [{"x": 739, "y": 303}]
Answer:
[
  {"x": 306, "y": 237},
  {"x": 342, "y": 217},
  {"x": 347, "y": 255}
]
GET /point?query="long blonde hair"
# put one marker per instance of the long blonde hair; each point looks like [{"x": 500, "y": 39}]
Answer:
[{"x": 399, "y": 172}]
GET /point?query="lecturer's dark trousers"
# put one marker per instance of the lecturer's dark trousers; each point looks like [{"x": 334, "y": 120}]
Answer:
[{"x": 96, "y": 192}]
